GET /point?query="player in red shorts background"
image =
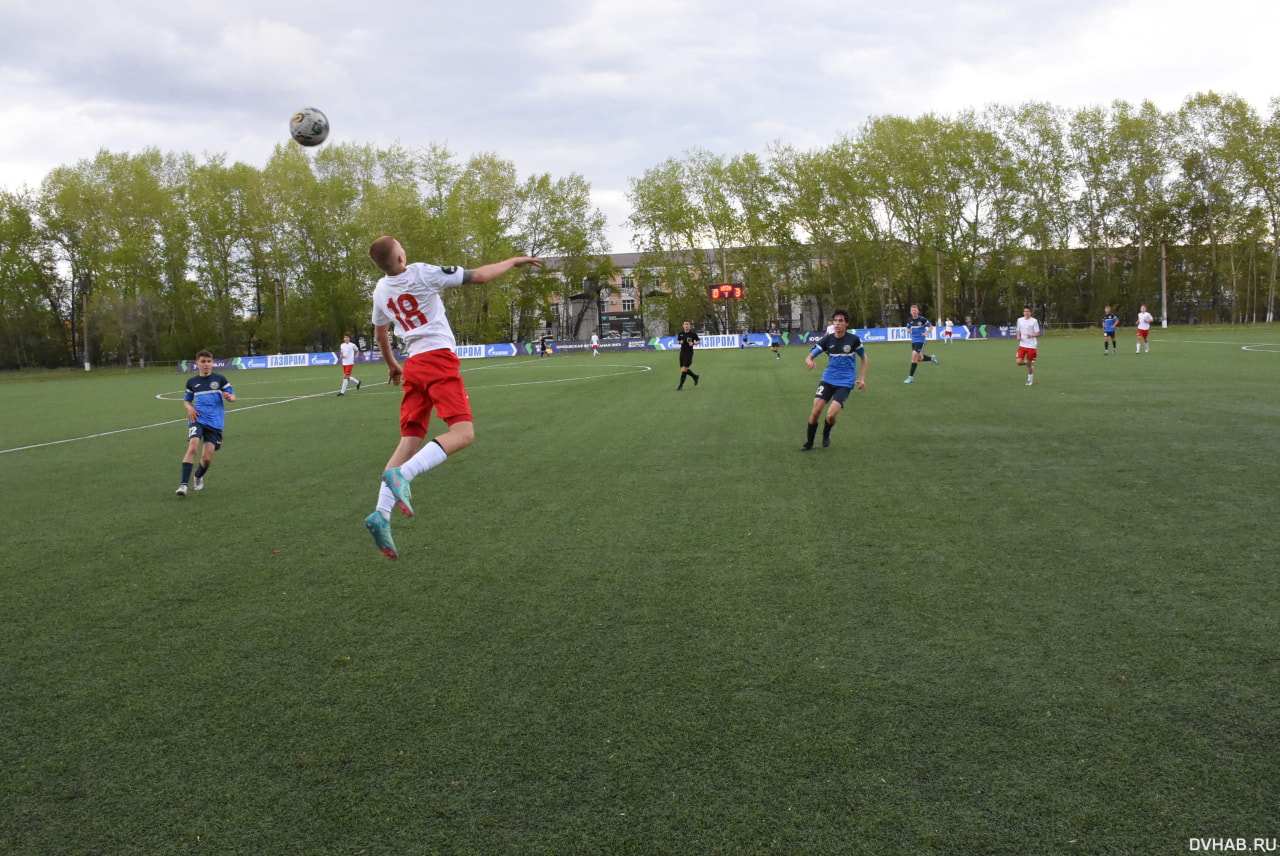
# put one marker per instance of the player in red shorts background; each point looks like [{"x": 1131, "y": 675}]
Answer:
[
  {"x": 1145, "y": 320},
  {"x": 1028, "y": 335},
  {"x": 347, "y": 352},
  {"x": 408, "y": 296}
]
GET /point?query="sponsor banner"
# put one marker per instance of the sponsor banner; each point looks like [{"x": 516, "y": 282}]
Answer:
[
  {"x": 281, "y": 361},
  {"x": 669, "y": 343},
  {"x": 899, "y": 334},
  {"x": 219, "y": 365},
  {"x": 531, "y": 348},
  {"x": 658, "y": 343}
]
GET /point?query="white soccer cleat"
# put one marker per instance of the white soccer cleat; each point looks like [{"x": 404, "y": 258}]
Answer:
[
  {"x": 197, "y": 483},
  {"x": 182, "y": 490}
]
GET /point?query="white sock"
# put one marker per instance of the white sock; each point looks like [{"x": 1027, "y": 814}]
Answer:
[
  {"x": 344, "y": 384},
  {"x": 430, "y": 455},
  {"x": 386, "y": 501}
]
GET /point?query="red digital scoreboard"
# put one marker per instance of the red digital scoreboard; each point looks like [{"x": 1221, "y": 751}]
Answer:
[{"x": 726, "y": 291}]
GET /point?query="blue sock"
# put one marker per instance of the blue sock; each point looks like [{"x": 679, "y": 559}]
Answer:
[{"x": 186, "y": 472}]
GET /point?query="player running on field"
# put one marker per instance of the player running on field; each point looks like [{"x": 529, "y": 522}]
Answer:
[
  {"x": 206, "y": 414},
  {"x": 846, "y": 369},
  {"x": 348, "y": 353},
  {"x": 1028, "y": 336},
  {"x": 1109, "y": 322},
  {"x": 687, "y": 339},
  {"x": 775, "y": 340},
  {"x": 920, "y": 328},
  {"x": 1144, "y": 328},
  {"x": 408, "y": 296}
]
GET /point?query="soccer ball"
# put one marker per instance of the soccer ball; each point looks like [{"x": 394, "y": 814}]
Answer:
[{"x": 309, "y": 127}]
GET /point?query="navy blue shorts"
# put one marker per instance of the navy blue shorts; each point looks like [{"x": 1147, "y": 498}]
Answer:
[
  {"x": 831, "y": 392},
  {"x": 918, "y": 347},
  {"x": 205, "y": 433}
]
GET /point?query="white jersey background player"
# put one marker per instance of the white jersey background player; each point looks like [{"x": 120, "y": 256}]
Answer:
[
  {"x": 1028, "y": 336},
  {"x": 1144, "y": 328},
  {"x": 347, "y": 354},
  {"x": 595, "y": 345}
]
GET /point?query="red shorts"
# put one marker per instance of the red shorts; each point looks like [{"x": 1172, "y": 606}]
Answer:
[
  {"x": 1027, "y": 354},
  {"x": 431, "y": 379},
  {"x": 1142, "y": 334},
  {"x": 346, "y": 370}
]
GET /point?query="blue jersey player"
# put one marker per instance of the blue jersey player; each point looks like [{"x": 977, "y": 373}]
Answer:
[
  {"x": 204, "y": 398},
  {"x": 919, "y": 327},
  {"x": 1109, "y": 322},
  {"x": 846, "y": 369}
]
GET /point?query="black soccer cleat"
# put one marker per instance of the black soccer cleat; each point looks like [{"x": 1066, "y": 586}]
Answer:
[
  {"x": 826, "y": 441},
  {"x": 806, "y": 447}
]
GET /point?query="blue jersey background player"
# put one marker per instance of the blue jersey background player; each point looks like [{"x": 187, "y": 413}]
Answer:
[
  {"x": 846, "y": 369},
  {"x": 1109, "y": 322},
  {"x": 919, "y": 327},
  {"x": 206, "y": 414}
]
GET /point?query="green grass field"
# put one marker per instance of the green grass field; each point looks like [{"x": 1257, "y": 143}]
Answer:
[{"x": 629, "y": 620}]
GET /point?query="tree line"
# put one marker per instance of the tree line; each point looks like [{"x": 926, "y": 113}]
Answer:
[
  {"x": 1066, "y": 210},
  {"x": 163, "y": 254},
  {"x": 157, "y": 255}
]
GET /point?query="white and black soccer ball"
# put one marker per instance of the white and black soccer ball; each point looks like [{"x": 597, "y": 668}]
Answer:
[{"x": 309, "y": 127}]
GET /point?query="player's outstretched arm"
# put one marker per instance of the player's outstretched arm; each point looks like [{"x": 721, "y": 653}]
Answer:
[{"x": 488, "y": 272}]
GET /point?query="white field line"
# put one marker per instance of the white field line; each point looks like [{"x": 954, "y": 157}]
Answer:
[{"x": 161, "y": 396}]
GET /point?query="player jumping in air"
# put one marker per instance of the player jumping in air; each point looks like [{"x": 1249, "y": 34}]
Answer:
[
  {"x": 348, "y": 353},
  {"x": 408, "y": 296},
  {"x": 206, "y": 414},
  {"x": 920, "y": 328},
  {"x": 846, "y": 369}
]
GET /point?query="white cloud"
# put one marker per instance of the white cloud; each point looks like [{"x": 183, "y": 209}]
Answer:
[{"x": 605, "y": 89}]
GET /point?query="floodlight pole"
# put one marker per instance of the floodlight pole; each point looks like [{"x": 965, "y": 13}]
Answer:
[
  {"x": 277, "y": 284},
  {"x": 84, "y": 312},
  {"x": 1164, "y": 285},
  {"x": 938, "y": 305}
]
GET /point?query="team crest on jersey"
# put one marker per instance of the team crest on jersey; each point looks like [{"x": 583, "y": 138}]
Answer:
[
  {"x": 213, "y": 385},
  {"x": 848, "y": 348}
]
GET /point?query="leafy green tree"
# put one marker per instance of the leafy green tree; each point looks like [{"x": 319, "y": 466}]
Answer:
[{"x": 31, "y": 321}]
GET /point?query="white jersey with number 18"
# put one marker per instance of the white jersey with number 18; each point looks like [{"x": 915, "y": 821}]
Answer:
[{"x": 411, "y": 301}]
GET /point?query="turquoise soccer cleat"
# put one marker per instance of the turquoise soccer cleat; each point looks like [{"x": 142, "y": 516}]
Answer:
[
  {"x": 380, "y": 529},
  {"x": 399, "y": 489}
]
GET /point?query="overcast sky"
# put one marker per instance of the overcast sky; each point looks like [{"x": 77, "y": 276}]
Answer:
[{"x": 604, "y": 88}]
